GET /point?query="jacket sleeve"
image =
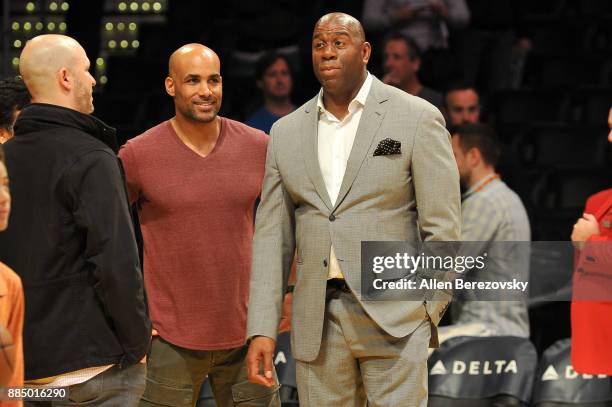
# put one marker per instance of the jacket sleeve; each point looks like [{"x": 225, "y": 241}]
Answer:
[
  {"x": 436, "y": 180},
  {"x": 436, "y": 187},
  {"x": 273, "y": 249},
  {"x": 101, "y": 211}
]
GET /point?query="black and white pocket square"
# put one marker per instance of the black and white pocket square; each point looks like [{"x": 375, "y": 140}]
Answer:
[{"x": 388, "y": 147}]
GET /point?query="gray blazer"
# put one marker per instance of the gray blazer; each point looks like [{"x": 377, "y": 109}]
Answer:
[{"x": 411, "y": 196}]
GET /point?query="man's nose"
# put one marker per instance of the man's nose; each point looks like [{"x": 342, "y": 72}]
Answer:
[
  {"x": 329, "y": 52},
  {"x": 205, "y": 90}
]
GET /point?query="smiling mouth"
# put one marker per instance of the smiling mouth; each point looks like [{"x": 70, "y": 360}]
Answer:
[{"x": 204, "y": 105}]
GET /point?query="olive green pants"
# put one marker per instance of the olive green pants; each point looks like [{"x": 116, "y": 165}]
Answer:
[{"x": 175, "y": 376}]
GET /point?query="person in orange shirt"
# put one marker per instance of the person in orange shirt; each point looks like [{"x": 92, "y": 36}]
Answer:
[
  {"x": 11, "y": 306},
  {"x": 592, "y": 291}
]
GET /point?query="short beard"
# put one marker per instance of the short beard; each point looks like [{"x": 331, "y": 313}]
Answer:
[
  {"x": 195, "y": 117},
  {"x": 82, "y": 99}
]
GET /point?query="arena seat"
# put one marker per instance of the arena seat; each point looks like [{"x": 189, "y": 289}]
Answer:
[
  {"x": 482, "y": 372},
  {"x": 589, "y": 105},
  {"x": 568, "y": 190},
  {"x": 563, "y": 71},
  {"x": 527, "y": 106},
  {"x": 559, "y": 146},
  {"x": 558, "y": 385},
  {"x": 285, "y": 369}
]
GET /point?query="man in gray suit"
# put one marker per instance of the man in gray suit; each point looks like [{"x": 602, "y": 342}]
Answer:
[{"x": 360, "y": 161}]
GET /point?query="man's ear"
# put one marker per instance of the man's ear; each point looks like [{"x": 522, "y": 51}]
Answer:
[
  {"x": 169, "y": 83},
  {"x": 366, "y": 51},
  {"x": 474, "y": 157},
  {"x": 65, "y": 80}
]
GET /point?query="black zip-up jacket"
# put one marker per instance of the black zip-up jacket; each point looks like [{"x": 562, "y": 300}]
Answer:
[{"x": 71, "y": 240}]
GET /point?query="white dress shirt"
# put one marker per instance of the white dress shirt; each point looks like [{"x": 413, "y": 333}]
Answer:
[{"x": 335, "y": 141}]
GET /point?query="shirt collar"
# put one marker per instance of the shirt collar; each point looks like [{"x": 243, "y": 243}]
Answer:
[
  {"x": 359, "y": 100},
  {"x": 490, "y": 179}
]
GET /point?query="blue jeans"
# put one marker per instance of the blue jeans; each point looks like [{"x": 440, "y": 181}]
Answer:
[{"x": 111, "y": 388}]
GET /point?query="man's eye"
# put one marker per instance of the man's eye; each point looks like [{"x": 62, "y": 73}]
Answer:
[
  {"x": 319, "y": 45},
  {"x": 339, "y": 43}
]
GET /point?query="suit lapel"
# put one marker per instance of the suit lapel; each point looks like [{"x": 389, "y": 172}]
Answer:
[
  {"x": 371, "y": 118},
  {"x": 310, "y": 149}
]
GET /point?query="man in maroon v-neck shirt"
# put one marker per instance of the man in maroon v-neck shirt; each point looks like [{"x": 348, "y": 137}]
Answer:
[{"x": 195, "y": 179}]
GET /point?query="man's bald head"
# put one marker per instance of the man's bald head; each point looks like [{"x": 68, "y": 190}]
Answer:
[
  {"x": 55, "y": 70},
  {"x": 340, "y": 56},
  {"x": 344, "y": 19},
  {"x": 43, "y": 57},
  {"x": 186, "y": 53},
  {"x": 194, "y": 82}
]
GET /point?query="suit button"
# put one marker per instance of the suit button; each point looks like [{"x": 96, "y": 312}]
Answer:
[
  {"x": 325, "y": 263},
  {"x": 332, "y": 217}
]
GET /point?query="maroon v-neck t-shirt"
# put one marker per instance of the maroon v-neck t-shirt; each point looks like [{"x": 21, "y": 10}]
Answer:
[{"x": 196, "y": 216}]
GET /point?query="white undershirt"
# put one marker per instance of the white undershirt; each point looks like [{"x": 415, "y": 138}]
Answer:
[{"x": 335, "y": 141}]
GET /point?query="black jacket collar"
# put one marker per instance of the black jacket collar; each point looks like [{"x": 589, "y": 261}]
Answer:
[{"x": 42, "y": 116}]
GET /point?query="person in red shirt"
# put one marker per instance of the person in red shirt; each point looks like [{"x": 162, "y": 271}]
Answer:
[
  {"x": 592, "y": 296},
  {"x": 195, "y": 179}
]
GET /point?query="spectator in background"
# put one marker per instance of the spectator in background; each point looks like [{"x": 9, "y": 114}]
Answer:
[
  {"x": 462, "y": 105},
  {"x": 592, "y": 301},
  {"x": 426, "y": 21},
  {"x": 491, "y": 213},
  {"x": 71, "y": 238},
  {"x": 402, "y": 60},
  {"x": 11, "y": 305},
  {"x": 275, "y": 80},
  {"x": 14, "y": 96}
]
